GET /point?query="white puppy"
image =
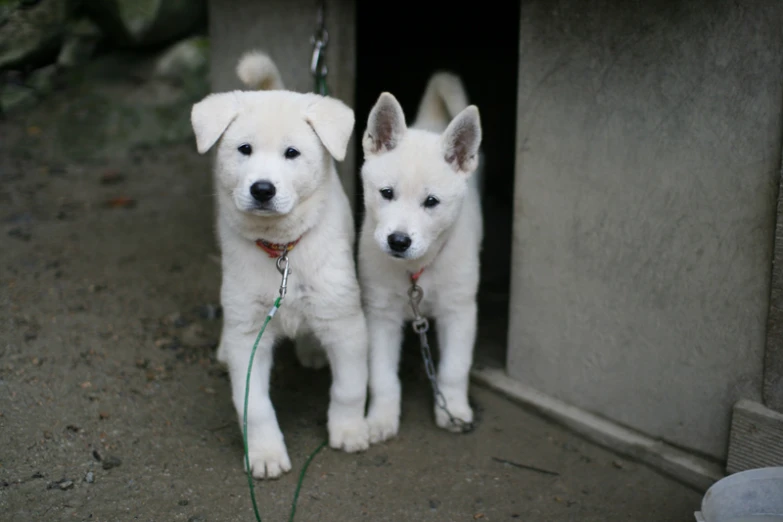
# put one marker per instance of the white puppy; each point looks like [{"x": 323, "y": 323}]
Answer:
[
  {"x": 422, "y": 222},
  {"x": 277, "y": 188}
]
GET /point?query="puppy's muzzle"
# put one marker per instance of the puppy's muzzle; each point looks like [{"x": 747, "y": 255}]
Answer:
[
  {"x": 398, "y": 242},
  {"x": 262, "y": 191}
]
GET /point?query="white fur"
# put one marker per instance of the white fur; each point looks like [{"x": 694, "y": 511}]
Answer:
[
  {"x": 437, "y": 156},
  {"x": 322, "y": 306}
]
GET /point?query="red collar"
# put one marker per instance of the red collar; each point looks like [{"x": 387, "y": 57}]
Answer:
[
  {"x": 275, "y": 249},
  {"x": 415, "y": 277}
]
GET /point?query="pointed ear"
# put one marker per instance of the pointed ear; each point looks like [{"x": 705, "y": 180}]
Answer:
[
  {"x": 332, "y": 121},
  {"x": 385, "y": 126},
  {"x": 211, "y": 117},
  {"x": 461, "y": 140}
]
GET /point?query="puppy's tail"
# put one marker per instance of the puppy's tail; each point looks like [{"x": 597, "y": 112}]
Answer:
[
  {"x": 258, "y": 71},
  {"x": 444, "y": 98}
]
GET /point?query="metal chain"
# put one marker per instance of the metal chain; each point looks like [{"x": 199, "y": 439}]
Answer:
[
  {"x": 319, "y": 41},
  {"x": 421, "y": 326}
]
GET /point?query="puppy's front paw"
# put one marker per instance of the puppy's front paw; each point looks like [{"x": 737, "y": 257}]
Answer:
[
  {"x": 384, "y": 424},
  {"x": 269, "y": 460},
  {"x": 351, "y": 436},
  {"x": 460, "y": 410}
]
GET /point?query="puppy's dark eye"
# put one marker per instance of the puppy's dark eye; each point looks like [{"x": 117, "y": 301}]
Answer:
[
  {"x": 245, "y": 149},
  {"x": 431, "y": 201},
  {"x": 291, "y": 153},
  {"x": 387, "y": 193}
]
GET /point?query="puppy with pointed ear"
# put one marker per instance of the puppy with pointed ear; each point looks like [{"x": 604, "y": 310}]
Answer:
[
  {"x": 422, "y": 225},
  {"x": 278, "y": 191},
  {"x": 385, "y": 126},
  {"x": 461, "y": 141}
]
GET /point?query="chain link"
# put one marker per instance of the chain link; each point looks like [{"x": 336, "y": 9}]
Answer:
[
  {"x": 319, "y": 41},
  {"x": 421, "y": 326}
]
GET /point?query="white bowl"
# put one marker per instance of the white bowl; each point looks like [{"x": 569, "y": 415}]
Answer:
[{"x": 755, "y": 495}]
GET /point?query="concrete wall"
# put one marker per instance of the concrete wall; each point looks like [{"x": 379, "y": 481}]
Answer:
[
  {"x": 283, "y": 29},
  {"x": 647, "y": 165}
]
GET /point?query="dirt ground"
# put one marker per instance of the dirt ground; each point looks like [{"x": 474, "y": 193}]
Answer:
[{"x": 112, "y": 406}]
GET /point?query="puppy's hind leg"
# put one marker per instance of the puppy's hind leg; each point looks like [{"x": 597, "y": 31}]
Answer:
[
  {"x": 310, "y": 352},
  {"x": 345, "y": 340},
  {"x": 266, "y": 447}
]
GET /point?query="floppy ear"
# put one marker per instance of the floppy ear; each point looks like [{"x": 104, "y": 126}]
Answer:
[
  {"x": 461, "y": 140},
  {"x": 385, "y": 126},
  {"x": 332, "y": 121},
  {"x": 211, "y": 117}
]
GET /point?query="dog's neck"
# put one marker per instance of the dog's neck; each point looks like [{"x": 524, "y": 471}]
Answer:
[{"x": 273, "y": 229}]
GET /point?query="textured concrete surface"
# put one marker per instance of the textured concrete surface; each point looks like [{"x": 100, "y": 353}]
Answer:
[
  {"x": 648, "y": 156},
  {"x": 107, "y": 352}
]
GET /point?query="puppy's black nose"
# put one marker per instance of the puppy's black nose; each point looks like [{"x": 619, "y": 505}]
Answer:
[
  {"x": 262, "y": 191},
  {"x": 398, "y": 241}
]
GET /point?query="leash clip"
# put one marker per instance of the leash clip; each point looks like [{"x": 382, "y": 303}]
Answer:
[{"x": 282, "y": 267}]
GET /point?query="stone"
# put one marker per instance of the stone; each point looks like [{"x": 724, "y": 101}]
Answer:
[
  {"x": 42, "y": 80},
  {"x": 81, "y": 39},
  {"x": 31, "y": 34},
  {"x": 183, "y": 59},
  {"x": 140, "y": 23},
  {"x": 16, "y": 97}
]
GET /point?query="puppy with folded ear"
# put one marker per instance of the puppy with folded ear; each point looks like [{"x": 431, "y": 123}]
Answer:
[
  {"x": 277, "y": 189},
  {"x": 422, "y": 224}
]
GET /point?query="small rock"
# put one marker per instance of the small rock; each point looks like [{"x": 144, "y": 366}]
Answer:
[
  {"x": 176, "y": 320},
  {"x": 136, "y": 23},
  {"x": 103, "y": 415},
  {"x": 183, "y": 502},
  {"x": 193, "y": 336},
  {"x": 95, "y": 288},
  {"x": 210, "y": 311},
  {"x": 434, "y": 504},
  {"x": 68, "y": 484},
  {"x": 96, "y": 455},
  {"x": 81, "y": 38},
  {"x": 111, "y": 177},
  {"x": 19, "y": 233},
  {"x": 617, "y": 464},
  {"x": 42, "y": 80},
  {"x": 121, "y": 202},
  {"x": 37, "y": 475},
  {"x": 89, "y": 478},
  {"x": 111, "y": 462},
  {"x": 188, "y": 57},
  {"x": 33, "y": 32},
  {"x": 167, "y": 343},
  {"x": 196, "y": 518}
]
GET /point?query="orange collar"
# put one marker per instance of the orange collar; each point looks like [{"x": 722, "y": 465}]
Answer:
[
  {"x": 415, "y": 277},
  {"x": 275, "y": 249}
]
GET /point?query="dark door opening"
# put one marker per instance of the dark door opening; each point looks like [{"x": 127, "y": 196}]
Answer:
[{"x": 398, "y": 47}]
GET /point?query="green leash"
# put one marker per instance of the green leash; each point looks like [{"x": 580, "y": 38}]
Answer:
[
  {"x": 269, "y": 316},
  {"x": 319, "y": 71}
]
